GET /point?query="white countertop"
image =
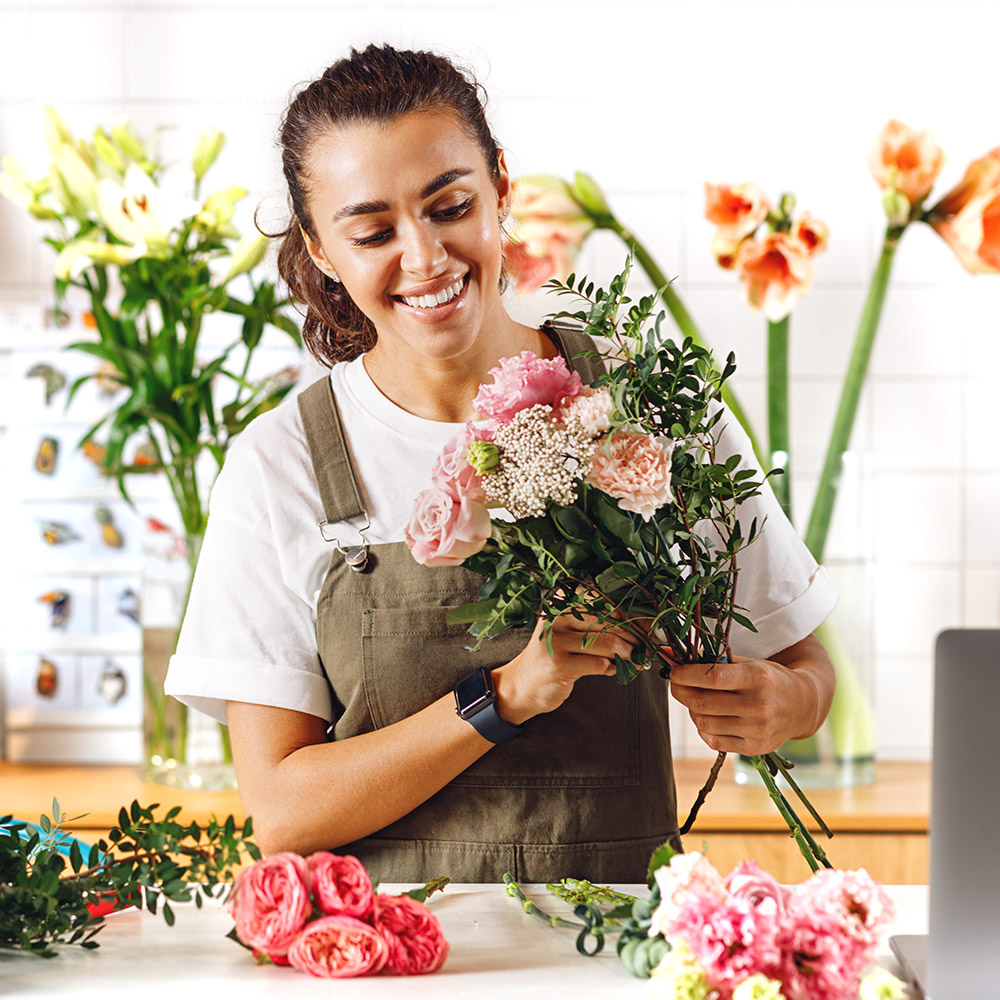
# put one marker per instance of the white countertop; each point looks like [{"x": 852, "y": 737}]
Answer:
[{"x": 498, "y": 952}]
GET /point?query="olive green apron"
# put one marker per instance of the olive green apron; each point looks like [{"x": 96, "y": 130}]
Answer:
[{"x": 586, "y": 791}]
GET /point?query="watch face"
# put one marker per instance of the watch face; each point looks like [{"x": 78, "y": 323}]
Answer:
[{"x": 473, "y": 693}]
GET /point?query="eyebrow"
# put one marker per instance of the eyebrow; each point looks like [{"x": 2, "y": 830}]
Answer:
[{"x": 369, "y": 207}]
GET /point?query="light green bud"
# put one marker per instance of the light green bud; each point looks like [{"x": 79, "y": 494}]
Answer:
[
  {"x": 127, "y": 142},
  {"x": 787, "y": 205},
  {"x": 897, "y": 207},
  {"x": 57, "y": 134},
  {"x": 249, "y": 252},
  {"x": 206, "y": 150},
  {"x": 484, "y": 456},
  {"x": 108, "y": 151},
  {"x": 589, "y": 195}
]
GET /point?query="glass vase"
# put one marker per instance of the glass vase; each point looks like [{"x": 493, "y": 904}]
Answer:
[
  {"x": 184, "y": 748},
  {"x": 841, "y": 754}
]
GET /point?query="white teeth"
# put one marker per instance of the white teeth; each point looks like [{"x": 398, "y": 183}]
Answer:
[{"x": 427, "y": 301}]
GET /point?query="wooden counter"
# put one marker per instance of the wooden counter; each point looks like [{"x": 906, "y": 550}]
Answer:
[{"x": 882, "y": 827}]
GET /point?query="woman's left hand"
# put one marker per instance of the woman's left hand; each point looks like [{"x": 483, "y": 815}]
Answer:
[{"x": 753, "y": 706}]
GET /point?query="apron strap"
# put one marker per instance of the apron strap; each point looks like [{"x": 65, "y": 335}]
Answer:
[
  {"x": 338, "y": 488},
  {"x": 574, "y": 347}
]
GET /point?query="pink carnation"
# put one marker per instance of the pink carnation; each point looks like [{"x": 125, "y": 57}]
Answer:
[
  {"x": 686, "y": 873},
  {"x": 451, "y": 470},
  {"x": 525, "y": 381},
  {"x": 445, "y": 529},
  {"x": 854, "y": 901},
  {"x": 338, "y": 947},
  {"x": 759, "y": 888},
  {"x": 340, "y": 884},
  {"x": 819, "y": 961},
  {"x": 590, "y": 409},
  {"x": 412, "y": 933},
  {"x": 731, "y": 938},
  {"x": 270, "y": 902},
  {"x": 635, "y": 469}
]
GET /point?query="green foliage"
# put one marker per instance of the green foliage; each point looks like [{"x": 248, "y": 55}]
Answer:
[
  {"x": 674, "y": 575},
  {"x": 44, "y": 896}
]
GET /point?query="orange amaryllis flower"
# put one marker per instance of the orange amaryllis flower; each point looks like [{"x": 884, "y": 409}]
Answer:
[
  {"x": 811, "y": 233},
  {"x": 548, "y": 227},
  {"x": 737, "y": 208},
  {"x": 774, "y": 273},
  {"x": 968, "y": 216},
  {"x": 726, "y": 248},
  {"x": 905, "y": 160}
]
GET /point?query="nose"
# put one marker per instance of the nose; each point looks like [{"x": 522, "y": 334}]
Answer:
[{"x": 423, "y": 256}]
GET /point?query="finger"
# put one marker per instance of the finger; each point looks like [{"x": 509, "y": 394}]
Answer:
[{"x": 716, "y": 676}]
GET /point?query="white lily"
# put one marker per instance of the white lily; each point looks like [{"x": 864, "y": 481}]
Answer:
[
  {"x": 78, "y": 255},
  {"x": 142, "y": 211}
]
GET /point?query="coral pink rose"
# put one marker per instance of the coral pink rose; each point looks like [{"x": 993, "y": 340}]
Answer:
[
  {"x": 903, "y": 159},
  {"x": 524, "y": 381},
  {"x": 635, "y": 469},
  {"x": 270, "y": 902},
  {"x": 968, "y": 216},
  {"x": 412, "y": 933},
  {"x": 738, "y": 209},
  {"x": 590, "y": 410},
  {"x": 452, "y": 471},
  {"x": 811, "y": 233},
  {"x": 774, "y": 274},
  {"x": 445, "y": 529},
  {"x": 340, "y": 884},
  {"x": 548, "y": 227},
  {"x": 338, "y": 947},
  {"x": 748, "y": 881}
]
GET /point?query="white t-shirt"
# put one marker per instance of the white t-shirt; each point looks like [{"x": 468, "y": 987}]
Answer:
[{"x": 250, "y": 629}]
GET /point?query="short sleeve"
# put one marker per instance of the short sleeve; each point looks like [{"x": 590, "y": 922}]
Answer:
[{"x": 781, "y": 588}]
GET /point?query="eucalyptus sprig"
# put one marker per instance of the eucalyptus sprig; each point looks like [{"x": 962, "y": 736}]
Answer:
[{"x": 49, "y": 883}]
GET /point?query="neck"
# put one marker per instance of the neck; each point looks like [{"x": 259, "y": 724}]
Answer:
[{"x": 443, "y": 389}]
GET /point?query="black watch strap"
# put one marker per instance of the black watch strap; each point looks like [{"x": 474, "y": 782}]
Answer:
[
  {"x": 488, "y": 724},
  {"x": 475, "y": 701}
]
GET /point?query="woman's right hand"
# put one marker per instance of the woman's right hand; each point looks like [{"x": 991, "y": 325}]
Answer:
[{"x": 537, "y": 681}]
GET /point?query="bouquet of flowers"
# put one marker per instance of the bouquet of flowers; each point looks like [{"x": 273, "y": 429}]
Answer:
[
  {"x": 321, "y": 914},
  {"x": 619, "y": 506},
  {"x": 699, "y": 936}
]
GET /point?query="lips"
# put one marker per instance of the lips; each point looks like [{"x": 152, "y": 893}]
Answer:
[{"x": 434, "y": 299}]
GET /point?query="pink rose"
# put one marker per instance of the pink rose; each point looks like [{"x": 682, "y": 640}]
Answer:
[
  {"x": 736, "y": 208},
  {"x": 270, "y": 902},
  {"x": 524, "y": 381},
  {"x": 451, "y": 469},
  {"x": 775, "y": 273},
  {"x": 548, "y": 227},
  {"x": 412, "y": 933},
  {"x": 635, "y": 469},
  {"x": 445, "y": 529},
  {"x": 905, "y": 160},
  {"x": 338, "y": 947},
  {"x": 340, "y": 884},
  {"x": 759, "y": 888},
  {"x": 968, "y": 216},
  {"x": 590, "y": 409}
]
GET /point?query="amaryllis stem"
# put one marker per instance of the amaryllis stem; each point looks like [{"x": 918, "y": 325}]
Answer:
[
  {"x": 777, "y": 411},
  {"x": 676, "y": 308},
  {"x": 843, "y": 424}
]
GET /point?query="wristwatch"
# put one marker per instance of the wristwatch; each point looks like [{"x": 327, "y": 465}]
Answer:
[{"x": 475, "y": 701}]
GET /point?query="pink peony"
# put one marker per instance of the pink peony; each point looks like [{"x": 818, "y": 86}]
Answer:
[
  {"x": 590, "y": 409},
  {"x": 731, "y": 938},
  {"x": 416, "y": 943},
  {"x": 686, "y": 873},
  {"x": 445, "y": 529},
  {"x": 759, "y": 888},
  {"x": 525, "y": 381},
  {"x": 338, "y": 947},
  {"x": 775, "y": 273},
  {"x": 635, "y": 469},
  {"x": 451, "y": 470},
  {"x": 340, "y": 884},
  {"x": 270, "y": 902},
  {"x": 738, "y": 209}
]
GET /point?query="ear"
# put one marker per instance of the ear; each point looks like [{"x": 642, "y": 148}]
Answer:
[
  {"x": 504, "y": 190},
  {"x": 317, "y": 255}
]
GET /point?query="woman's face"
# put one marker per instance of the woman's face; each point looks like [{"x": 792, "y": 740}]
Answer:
[{"x": 406, "y": 216}]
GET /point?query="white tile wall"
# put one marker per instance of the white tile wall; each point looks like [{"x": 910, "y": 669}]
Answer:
[{"x": 653, "y": 99}]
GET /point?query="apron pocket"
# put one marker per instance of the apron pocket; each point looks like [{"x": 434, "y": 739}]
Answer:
[{"x": 412, "y": 658}]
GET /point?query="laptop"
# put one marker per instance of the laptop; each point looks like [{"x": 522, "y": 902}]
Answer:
[{"x": 958, "y": 958}]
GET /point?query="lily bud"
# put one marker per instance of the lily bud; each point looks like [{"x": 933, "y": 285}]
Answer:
[
  {"x": 78, "y": 177},
  {"x": 219, "y": 207},
  {"x": 127, "y": 141},
  {"x": 897, "y": 207},
  {"x": 14, "y": 183},
  {"x": 484, "y": 456},
  {"x": 248, "y": 253},
  {"x": 206, "y": 150},
  {"x": 57, "y": 134},
  {"x": 108, "y": 151},
  {"x": 589, "y": 195}
]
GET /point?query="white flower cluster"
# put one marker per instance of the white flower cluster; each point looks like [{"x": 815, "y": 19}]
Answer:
[{"x": 540, "y": 460}]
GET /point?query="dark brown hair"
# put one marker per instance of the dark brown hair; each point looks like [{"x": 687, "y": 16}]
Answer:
[{"x": 377, "y": 85}]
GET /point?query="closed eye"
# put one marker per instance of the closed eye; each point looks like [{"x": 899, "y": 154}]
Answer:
[{"x": 449, "y": 214}]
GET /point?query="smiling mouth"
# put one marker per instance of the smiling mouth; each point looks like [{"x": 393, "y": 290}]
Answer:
[{"x": 441, "y": 298}]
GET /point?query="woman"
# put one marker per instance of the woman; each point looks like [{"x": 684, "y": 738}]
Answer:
[{"x": 338, "y": 685}]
